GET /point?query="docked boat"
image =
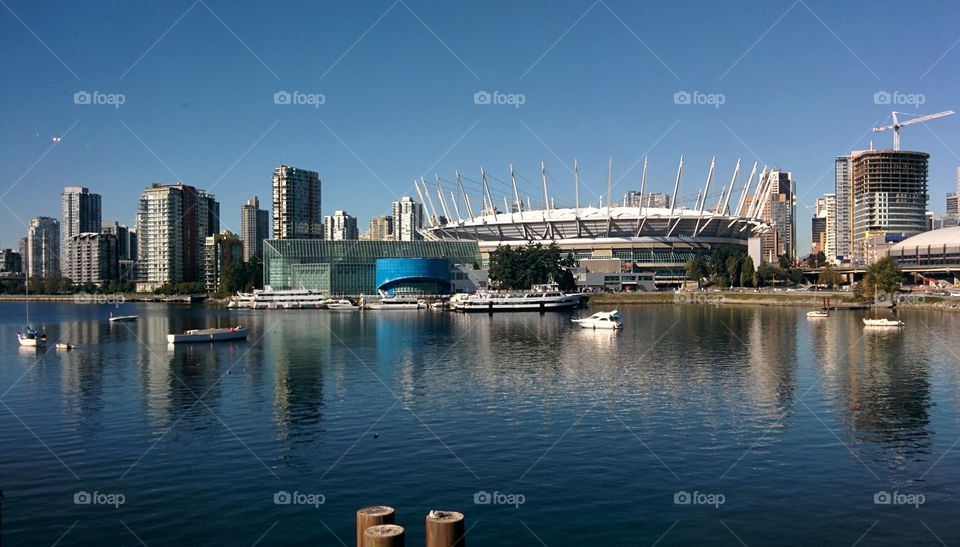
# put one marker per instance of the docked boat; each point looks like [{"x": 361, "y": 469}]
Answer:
[
  {"x": 818, "y": 313},
  {"x": 601, "y": 320},
  {"x": 209, "y": 335},
  {"x": 519, "y": 301},
  {"x": 32, "y": 338},
  {"x": 396, "y": 303},
  {"x": 883, "y": 322},
  {"x": 115, "y": 318},
  {"x": 342, "y": 304}
]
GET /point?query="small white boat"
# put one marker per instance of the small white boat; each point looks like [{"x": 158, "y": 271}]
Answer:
[
  {"x": 341, "y": 305},
  {"x": 817, "y": 313},
  {"x": 114, "y": 318},
  {"x": 32, "y": 338},
  {"x": 882, "y": 322},
  {"x": 64, "y": 345},
  {"x": 209, "y": 335},
  {"x": 601, "y": 320}
]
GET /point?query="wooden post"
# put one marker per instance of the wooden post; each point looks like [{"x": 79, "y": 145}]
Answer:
[
  {"x": 383, "y": 535},
  {"x": 373, "y": 516},
  {"x": 445, "y": 529}
]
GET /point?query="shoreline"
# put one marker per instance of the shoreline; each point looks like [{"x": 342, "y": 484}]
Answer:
[{"x": 809, "y": 300}]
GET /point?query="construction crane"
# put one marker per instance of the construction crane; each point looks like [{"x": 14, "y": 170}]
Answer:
[{"x": 897, "y": 124}]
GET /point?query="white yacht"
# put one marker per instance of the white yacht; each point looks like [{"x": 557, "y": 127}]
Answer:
[
  {"x": 883, "y": 322},
  {"x": 342, "y": 304},
  {"x": 519, "y": 301},
  {"x": 601, "y": 320},
  {"x": 209, "y": 335}
]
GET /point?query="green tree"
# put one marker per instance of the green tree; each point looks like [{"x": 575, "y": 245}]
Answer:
[
  {"x": 883, "y": 277},
  {"x": 829, "y": 277},
  {"x": 522, "y": 267},
  {"x": 748, "y": 274},
  {"x": 697, "y": 269},
  {"x": 733, "y": 269}
]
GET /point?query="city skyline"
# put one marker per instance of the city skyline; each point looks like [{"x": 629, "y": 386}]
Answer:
[{"x": 358, "y": 141}]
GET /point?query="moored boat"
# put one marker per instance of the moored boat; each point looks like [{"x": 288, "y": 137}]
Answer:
[
  {"x": 519, "y": 301},
  {"x": 818, "y": 313},
  {"x": 64, "y": 345},
  {"x": 31, "y": 338},
  {"x": 396, "y": 303},
  {"x": 882, "y": 322},
  {"x": 115, "y": 318},
  {"x": 342, "y": 304},
  {"x": 209, "y": 335},
  {"x": 601, "y": 320}
]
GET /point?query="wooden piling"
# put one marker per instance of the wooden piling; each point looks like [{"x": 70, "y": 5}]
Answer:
[
  {"x": 373, "y": 515},
  {"x": 445, "y": 529},
  {"x": 383, "y": 535}
]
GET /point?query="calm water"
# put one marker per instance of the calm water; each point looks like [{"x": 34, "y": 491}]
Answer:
[{"x": 782, "y": 430}]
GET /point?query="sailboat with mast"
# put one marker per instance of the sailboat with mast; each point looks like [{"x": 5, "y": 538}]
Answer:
[{"x": 30, "y": 337}]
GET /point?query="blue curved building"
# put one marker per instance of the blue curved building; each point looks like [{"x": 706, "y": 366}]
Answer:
[{"x": 413, "y": 275}]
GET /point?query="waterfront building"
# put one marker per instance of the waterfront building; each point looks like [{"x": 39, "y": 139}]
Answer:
[
  {"x": 43, "y": 247},
  {"x": 173, "y": 221},
  {"x": 844, "y": 218},
  {"x": 93, "y": 257},
  {"x": 80, "y": 212},
  {"x": 933, "y": 251},
  {"x": 351, "y": 267},
  {"x": 126, "y": 238},
  {"x": 340, "y": 227},
  {"x": 381, "y": 228},
  {"x": 407, "y": 219},
  {"x": 11, "y": 262},
  {"x": 222, "y": 253},
  {"x": 889, "y": 195},
  {"x": 296, "y": 204},
  {"x": 254, "y": 228}
]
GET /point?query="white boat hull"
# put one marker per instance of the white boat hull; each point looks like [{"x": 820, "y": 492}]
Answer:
[
  {"x": 208, "y": 335},
  {"x": 882, "y": 323},
  {"x": 114, "y": 319}
]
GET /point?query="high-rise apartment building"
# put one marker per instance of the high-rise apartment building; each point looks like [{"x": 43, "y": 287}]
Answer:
[
  {"x": 126, "y": 238},
  {"x": 830, "y": 228},
  {"x": 43, "y": 247},
  {"x": 173, "y": 221},
  {"x": 93, "y": 257},
  {"x": 339, "y": 227},
  {"x": 778, "y": 209},
  {"x": 844, "y": 218},
  {"x": 254, "y": 228},
  {"x": 222, "y": 252},
  {"x": 818, "y": 227},
  {"x": 650, "y": 199},
  {"x": 11, "y": 262},
  {"x": 80, "y": 213},
  {"x": 407, "y": 219},
  {"x": 889, "y": 195},
  {"x": 381, "y": 228},
  {"x": 296, "y": 204}
]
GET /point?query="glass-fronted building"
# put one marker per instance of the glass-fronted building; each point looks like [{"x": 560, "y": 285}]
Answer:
[
  {"x": 350, "y": 267},
  {"x": 413, "y": 275}
]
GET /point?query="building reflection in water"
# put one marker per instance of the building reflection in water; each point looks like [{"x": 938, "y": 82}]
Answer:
[
  {"x": 885, "y": 389},
  {"x": 298, "y": 347}
]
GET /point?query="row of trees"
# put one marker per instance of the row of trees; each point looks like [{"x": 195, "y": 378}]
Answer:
[
  {"x": 62, "y": 285},
  {"x": 519, "y": 268},
  {"x": 734, "y": 268}
]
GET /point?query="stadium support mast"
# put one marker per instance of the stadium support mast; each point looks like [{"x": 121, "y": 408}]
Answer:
[
  {"x": 516, "y": 195},
  {"x": 609, "y": 187},
  {"x": 722, "y": 207},
  {"x": 673, "y": 199},
  {"x": 543, "y": 176},
  {"x": 643, "y": 183},
  {"x": 456, "y": 207},
  {"x": 486, "y": 189},
  {"x": 435, "y": 218},
  {"x": 443, "y": 200},
  {"x": 706, "y": 188},
  {"x": 576, "y": 187},
  {"x": 420, "y": 195},
  {"x": 466, "y": 198}
]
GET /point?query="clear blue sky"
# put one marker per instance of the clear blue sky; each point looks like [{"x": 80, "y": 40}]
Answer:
[{"x": 598, "y": 79}]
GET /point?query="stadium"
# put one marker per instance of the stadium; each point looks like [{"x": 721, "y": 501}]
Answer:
[{"x": 617, "y": 245}]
